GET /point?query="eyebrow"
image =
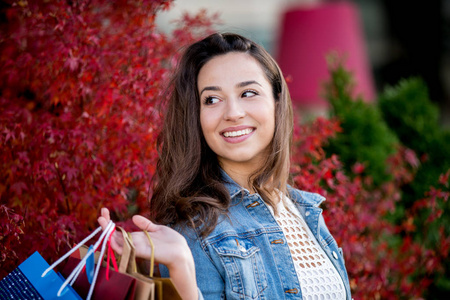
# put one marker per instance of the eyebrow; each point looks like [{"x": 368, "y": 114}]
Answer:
[
  {"x": 239, "y": 85},
  {"x": 245, "y": 83},
  {"x": 210, "y": 88}
]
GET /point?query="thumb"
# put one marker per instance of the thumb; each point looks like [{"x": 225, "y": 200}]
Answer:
[{"x": 144, "y": 223}]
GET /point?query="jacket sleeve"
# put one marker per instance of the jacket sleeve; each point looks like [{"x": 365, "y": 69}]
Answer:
[{"x": 209, "y": 280}]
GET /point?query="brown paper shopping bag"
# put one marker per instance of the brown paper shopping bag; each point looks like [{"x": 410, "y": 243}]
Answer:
[
  {"x": 164, "y": 288},
  {"x": 145, "y": 289}
]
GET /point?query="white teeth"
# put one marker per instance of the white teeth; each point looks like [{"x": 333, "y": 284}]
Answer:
[{"x": 237, "y": 133}]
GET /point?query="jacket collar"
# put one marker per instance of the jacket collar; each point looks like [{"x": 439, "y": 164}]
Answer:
[
  {"x": 301, "y": 197},
  {"x": 305, "y": 198},
  {"x": 232, "y": 187}
]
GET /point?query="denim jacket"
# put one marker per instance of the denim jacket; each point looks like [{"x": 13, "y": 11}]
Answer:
[{"x": 247, "y": 256}]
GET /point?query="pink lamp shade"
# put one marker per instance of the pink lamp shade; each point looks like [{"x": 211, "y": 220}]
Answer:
[{"x": 308, "y": 35}]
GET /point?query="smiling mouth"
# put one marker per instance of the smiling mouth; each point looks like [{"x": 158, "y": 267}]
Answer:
[{"x": 238, "y": 133}]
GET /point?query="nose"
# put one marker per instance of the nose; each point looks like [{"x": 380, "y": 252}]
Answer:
[{"x": 234, "y": 110}]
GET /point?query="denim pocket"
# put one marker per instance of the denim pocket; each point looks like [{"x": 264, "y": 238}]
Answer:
[{"x": 243, "y": 265}]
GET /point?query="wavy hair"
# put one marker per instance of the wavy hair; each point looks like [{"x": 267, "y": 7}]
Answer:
[{"x": 188, "y": 187}]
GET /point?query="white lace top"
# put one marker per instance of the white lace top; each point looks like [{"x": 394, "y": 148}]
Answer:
[{"x": 318, "y": 277}]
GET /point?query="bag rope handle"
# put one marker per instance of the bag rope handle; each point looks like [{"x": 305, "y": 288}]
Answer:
[
  {"x": 100, "y": 259},
  {"x": 109, "y": 228},
  {"x": 73, "y": 250},
  {"x": 152, "y": 247},
  {"x": 152, "y": 257},
  {"x": 108, "y": 257}
]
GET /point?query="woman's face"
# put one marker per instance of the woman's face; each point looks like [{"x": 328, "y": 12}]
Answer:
[{"x": 237, "y": 112}]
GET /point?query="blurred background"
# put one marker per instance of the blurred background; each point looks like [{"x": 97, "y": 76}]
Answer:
[{"x": 394, "y": 39}]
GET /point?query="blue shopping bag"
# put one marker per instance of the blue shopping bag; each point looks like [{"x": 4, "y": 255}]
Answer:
[{"x": 27, "y": 282}]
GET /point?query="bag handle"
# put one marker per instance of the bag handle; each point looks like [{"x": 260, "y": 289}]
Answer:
[
  {"x": 109, "y": 255},
  {"x": 102, "y": 252},
  {"x": 75, "y": 273},
  {"x": 127, "y": 259},
  {"x": 73, "y": 250},
  {"x": 152, "y": 256}
]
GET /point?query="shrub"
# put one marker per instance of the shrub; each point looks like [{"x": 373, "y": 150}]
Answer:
[
  {"x": 365, "y": 138},
  {"x": 409, "y": 112},
  {"x": 368, "y": 204},
  {"x": 382, "y": 258},
  {"x": 80, "y": 82}
]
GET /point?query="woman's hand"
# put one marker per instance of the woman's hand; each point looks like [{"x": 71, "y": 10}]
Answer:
[
  {"x": 117, "y": 238},
  {"x": 171, "y": 249},
  {"x": 169, "y": 244}
]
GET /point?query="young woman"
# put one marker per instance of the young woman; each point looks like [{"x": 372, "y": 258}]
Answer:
[{"x": 230, "y": 225}]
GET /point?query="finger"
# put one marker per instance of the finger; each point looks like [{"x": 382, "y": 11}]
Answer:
[
  {"x": 104, "y": 218},
  {"x": 144, "y": 223},
  {"x": 117, "y": 242},
  {"x": 103, "y": 222},
  {"x": 105, "y": 213}
]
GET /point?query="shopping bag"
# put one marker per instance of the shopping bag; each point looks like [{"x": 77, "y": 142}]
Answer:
[
  {"x": 116, "y": 287},
  {"x": 144, "y": 289},
  {"x": 27, "y": 282},
  {"x": 109, "y": 284},
  {"x": 35, "y": 279},
  {"x": 164, "y": 288}
]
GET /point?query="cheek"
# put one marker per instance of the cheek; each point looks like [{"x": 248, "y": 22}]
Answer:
[
  {"x": 274, "y": 112},
  {"x": 207, "y": 124},
  {"x": 208, "y": 129},
  {"x": 202, "y": 126},
  {"x": 270, "y": 122},
  {"x": 266, "y": 115}
]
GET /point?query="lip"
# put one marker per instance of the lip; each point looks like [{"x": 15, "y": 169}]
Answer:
[{"x": 234, "y": 140}]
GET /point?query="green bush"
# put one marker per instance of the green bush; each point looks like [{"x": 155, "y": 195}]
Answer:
[
  {"x": 410, "y": 113},
  {"x": 365, "y": 138}
]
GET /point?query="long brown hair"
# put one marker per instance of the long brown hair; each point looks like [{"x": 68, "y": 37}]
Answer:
[{"x": 189, "y": 187}]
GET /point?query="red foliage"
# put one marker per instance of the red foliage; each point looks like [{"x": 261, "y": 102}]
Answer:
[
  {"x": 80, "y": 85},
  {"x": 79, "y": 82}
]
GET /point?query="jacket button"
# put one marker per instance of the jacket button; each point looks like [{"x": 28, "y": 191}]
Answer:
[
  {"x": 291, "y": 291},
  {"x": 307, "y": 213},
  {"x": 335, "y": 255}
]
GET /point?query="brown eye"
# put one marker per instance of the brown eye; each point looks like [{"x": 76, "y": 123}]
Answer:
[
  {"x": 211, "y": 100},
  {"x": 249, "y": 93}
]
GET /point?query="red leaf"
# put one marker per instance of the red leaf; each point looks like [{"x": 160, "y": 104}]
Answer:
[
  {"x": 18, "y": 187},
  {"x": 443, "y": 178},
  {"x": 72, "y": 63}
]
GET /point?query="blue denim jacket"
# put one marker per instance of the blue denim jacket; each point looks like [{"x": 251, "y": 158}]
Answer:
[{"x": 247, "y": 257}]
